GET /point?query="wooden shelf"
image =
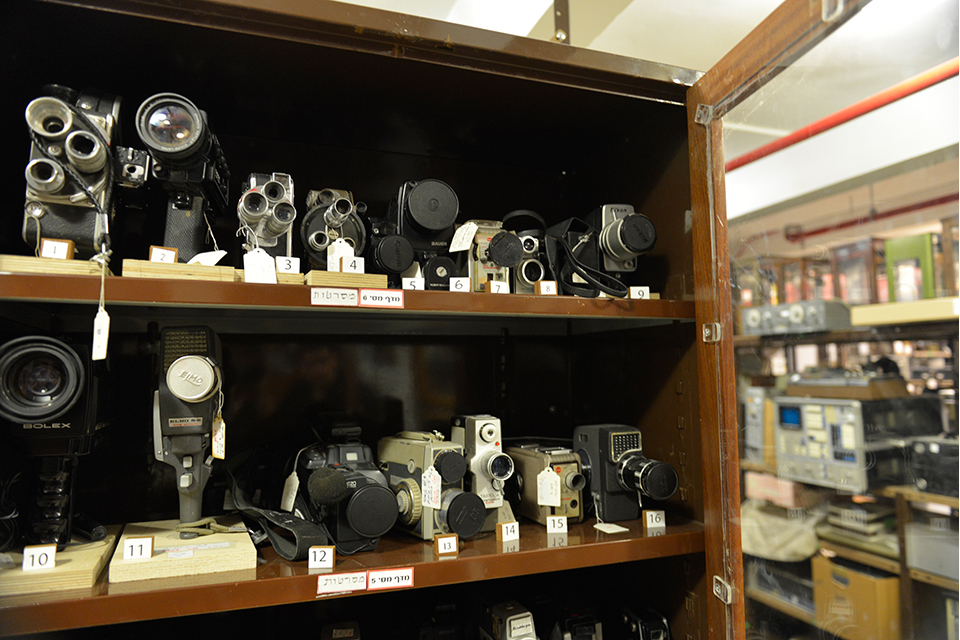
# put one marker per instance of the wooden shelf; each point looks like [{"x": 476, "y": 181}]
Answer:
[
  {"x": 863, "y": 557},
  {"x": 935, "y": 580},
  {"x": 911, "y": 493},
  {"x": 781, "y": 605},
  {"x": 278, "y": 581}
]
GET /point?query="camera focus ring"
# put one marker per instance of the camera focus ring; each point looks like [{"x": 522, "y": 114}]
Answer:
[{"x": 40, "y": 379}]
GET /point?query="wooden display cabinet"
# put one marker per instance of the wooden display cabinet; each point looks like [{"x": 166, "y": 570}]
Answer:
[{"x": 344, "y": 97}]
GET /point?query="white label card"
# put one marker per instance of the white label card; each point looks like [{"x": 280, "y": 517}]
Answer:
[
  {"x": 39, "y": 556},
  {"x": 546, "y": 288},
  {"x": 460, "y": 284},
  {"x": 498, "y": 286},
  {"x": 208, "y": 258},
  {"x": 386, "y": 298},
  {"x": 101, "y": 335},
  {"x": 55, "y": 249},
  {"x": 413, "y": 284},
  {"x": 548, "y": 488},
  {"x": 162, "y": 254},
  {"x": 430, "y": 488},
  {"x": 556, "y": 524},
  {"x": 340, "y": 582},
  {"x": 654, "y": 520},
  {"x": 509, "y": 531},
  {"x": 351, "y": 264},
  {"x": 640, "y": 293},
  {"x": 139, "y": 548},
  {"x": 390, "y": 578},
  {"x": 447, "y": 544},
  {"x": 338, "y": 250},
  {"x": 321, "y": 557},
  {"x": 288, "y": 265},
  {"x": 331, "y": 297},
  {"x": 463, "y": 238},
  {"x": 259, "y": 267}
]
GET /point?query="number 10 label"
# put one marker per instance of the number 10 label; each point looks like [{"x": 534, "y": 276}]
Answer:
[{"x": 40, "y": 556}]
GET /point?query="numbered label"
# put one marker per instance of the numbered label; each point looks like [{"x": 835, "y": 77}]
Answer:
[
  {"x": 351, "y": 264},
  {"x": 545, "y": 288},
  {"x": 654, "y": 520},
  {"x": 321, "y": 557},
  {"x": 288, "y": 265},
  {"x": 556, "y": 524},
  {"x": 387, "y": 298},
  {"x": 163, "y": 254},
  {"x": 446, "y": 544},
  {"x": 390, "y": 578},
  {"x": 460, "y": 284},
  {"x": 508, "y": 531},
  {"x": 640, "y": 293},
  {"x": 39, "y": 556},
  {"x": 496, "y": 286},
  {"x": 140, "y": 548},
  {"x": 413, "y": 284},
  {"x": 331, "y": 297},
  {"x": 59, "y": 249},
  {"x": 340, "y": 582},
  {"x": 548, "y": 488}
]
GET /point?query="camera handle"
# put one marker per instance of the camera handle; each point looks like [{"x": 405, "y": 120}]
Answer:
[{"x": 597, "y": 280}]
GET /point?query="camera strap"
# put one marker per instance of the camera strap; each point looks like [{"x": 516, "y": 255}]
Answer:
[
  {"x": 305, "y": 534},
  {"x": 564, "y": 264}
]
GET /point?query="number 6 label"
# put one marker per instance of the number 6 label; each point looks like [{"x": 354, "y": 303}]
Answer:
[{"x": 41, "y": 556}]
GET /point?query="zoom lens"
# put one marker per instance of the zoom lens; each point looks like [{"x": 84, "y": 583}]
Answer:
[
  {"x": 40, "y": 379},
  {"x": 652, "y": 478},
  {"x": 172, "y": 128}
]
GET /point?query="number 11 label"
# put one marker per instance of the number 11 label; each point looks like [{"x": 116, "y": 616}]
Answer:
[{"x": 138, "y": 548}]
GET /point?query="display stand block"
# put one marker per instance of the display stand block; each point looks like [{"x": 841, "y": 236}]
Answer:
[
  {"x": 54, "y": 266},
  {"x": 318, "y": 278},
  {"x": 147, "y": 269},
  {"x": 174, "y": 557},
  {"x": 78, "y": 567},
  {"x": 282, "y": 278}
]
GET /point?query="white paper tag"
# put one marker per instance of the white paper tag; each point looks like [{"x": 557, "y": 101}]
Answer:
[
  {"x": 463, "y": 238},
  {"x": 340, "y": 582},
  {"x": 460, "y": 284},
  {"x": 162, "y": 254},
  {"x": 287, "y": 265},
  {"x": 390, "y": 578},
  {"x": 139, "y": 548},
  {"x": 260, "y": 267},
  {"x": 207, "y": 258},
  {"x": 413, "y": 284},
  {"x": 219, "y": 438},
  {"x": 321, "y": 557},
  {"x": 556, "y": 524},
  {"x": 609, "y": 527},
  {"x": 548, "y": 488},
  {"x": 290, "y": 487},
  {"x": 39, "y": 556},
  {"x": 430, "y": 488},
  {"x": 101, "y": 335},
  {"x": 338, "y": 250}
]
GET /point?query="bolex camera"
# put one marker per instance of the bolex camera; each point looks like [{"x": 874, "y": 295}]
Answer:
[
  {"x": 342, "y": 489},
  {"x": 426, "y": 474},
  {"x": 70, "y": 174},
  {"x": 266, "y": 213},
  {"x": 186, "y": 405},
  {"x": 618, "y": 473},
  {"x": 189, "y": 163},
  {"x": 51, "y": 394},
  {"x": 507, "y": 621},
  {"x": 425, "y": 213},
  {"x": 530, "y": 460},
  {"x": 492, "y": 254},
  {"x": 488, "y": 467},
  {"x": 332, "y": 215}
]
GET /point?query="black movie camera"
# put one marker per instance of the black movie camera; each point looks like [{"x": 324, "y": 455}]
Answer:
[
  {"x": 618, "y": 473},
  {"x": 425, "y": 213}
]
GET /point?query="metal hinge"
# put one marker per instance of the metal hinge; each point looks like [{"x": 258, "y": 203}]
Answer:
[
  {"x": 722, "y": 590},
  {"x": 704, "y": 114},
  {"x": 711, "y": 332}
]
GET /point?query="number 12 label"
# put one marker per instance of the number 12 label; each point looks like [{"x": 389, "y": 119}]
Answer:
[{"x": 321, "y": 557}]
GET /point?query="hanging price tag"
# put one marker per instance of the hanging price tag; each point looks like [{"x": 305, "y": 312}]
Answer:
[
  {"x": 219, "y": 438},
  {"x": 260, "y": 267},
  {"x": 430, "y": 488},
  {"x": 463, "y": 238},
  {"x": 101, "y": 335},
  {"x": 548, "y": 488}
]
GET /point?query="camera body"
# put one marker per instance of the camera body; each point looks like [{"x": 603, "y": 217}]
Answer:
[
  {"x": 425, "y": 213},
  {"x": 189, "y": 163},
  {"x": 531, "y": 460},
  {"x": 267, "y": 213},
  {"x": 617, "y": 472},
  {"x": 53, "y": 396},
  {"x": 647, "y": 624},
  {"x": 532, "y": 268},
  {"x": 488, "y": 467},
  {"x": 346, "y": 491},
  {"x": 493, "y": 253},
  {"x": 69, "y": 174},
  {"x": 426, "y": 474},
  {"x": 332, "y": 214},
  {"x": 623, "y": 235},
  {"x": 186, "y": 404},
  {"x": 507, "y": 621}
]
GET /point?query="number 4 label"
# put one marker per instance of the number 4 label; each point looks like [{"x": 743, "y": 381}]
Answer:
[{"x": 40, "y": 556}]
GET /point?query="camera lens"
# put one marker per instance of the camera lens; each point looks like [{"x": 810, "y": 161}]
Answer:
[
  {"x": 531, "y": 271},
  {"x": 172, "y": 128},
  {"x": 499, "y": 466},
  {"x": 451, "y": 466},
  {"x": 652, "y": 478},
  {"x": 393, "y": 254},
  {"x": 505, "y": 249},
  {"x": 40, "y": 379},
  {"x": 85, "y": 152},
  {"x": 193, "y": 378},
  {"x": 49, "y": 117},
  {"x": 45, "y": 176},
  {"x": 252, "y": 207},
  {"x": 282, "y": 218},
  {"x": 432, "y": 206},
  {"x": 372, "y": 510},
  {"x": 461, "y": 513},
  {"x": 274, "y": 191},
  {"x": 628, "y": 237}
]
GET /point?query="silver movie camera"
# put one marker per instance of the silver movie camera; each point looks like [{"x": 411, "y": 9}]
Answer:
[{"x": 266, "y": 213}]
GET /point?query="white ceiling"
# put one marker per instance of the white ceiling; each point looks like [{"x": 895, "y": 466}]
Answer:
[{"x": 888, "y": 42}]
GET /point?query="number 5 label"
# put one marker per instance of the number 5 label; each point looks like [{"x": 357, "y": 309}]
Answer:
[{"x": 41, "y": 556}]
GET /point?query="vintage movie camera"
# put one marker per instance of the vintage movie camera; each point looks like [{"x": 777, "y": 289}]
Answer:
[
  {"x": 52, "y": 395},
  {"x": 644, "y": 623},
  {"x": 342, "y": 489},
  {"x": 426, "y": 474},
  {"x": 332, "y": 215},
  {"x": 624, "y": 236},
  {"x": 186, "y": 406},
  {"x": 266, "y": 213},
  {"x": 70, "y": 174},
  {"x": 492, "y": 254},
  {"x": 617, "y": 472},
  {"x": 488, "y": 466},
  {"x": 530, "y": 460},
  {"x": 530, "y": 228},
  {"x": 425, "y": 213},
  {"x": 507, "y": 621},
  {"x": 189, "y": 163}
]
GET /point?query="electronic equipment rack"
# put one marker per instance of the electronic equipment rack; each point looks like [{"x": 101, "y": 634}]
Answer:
[{"x": 347, "y": 97}]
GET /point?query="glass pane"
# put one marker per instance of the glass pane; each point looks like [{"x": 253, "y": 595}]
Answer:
[{"x": 843, "y": 262}]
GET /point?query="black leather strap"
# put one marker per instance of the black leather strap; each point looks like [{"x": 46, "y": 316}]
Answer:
[
  {"x": 305, "y": 534},
  {"x": 564, "y": 263}
]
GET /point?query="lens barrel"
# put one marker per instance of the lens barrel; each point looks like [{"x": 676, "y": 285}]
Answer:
[{"x": 40, "y": 379}]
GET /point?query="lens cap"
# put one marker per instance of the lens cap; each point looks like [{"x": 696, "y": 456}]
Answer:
[
  {"x": 438, "y": 271},
  {"x": 451, "y": 466},
  {"x": 372, "y": 510},
  {"x": 433, "y": 206},
  {"x": 505, "y": 249},
  {"x": 638, "y": 233},
  {"x": 659, "y": 480},
  {"x": 466, "y": 514},
  {"x": 393, "y": 254}
]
